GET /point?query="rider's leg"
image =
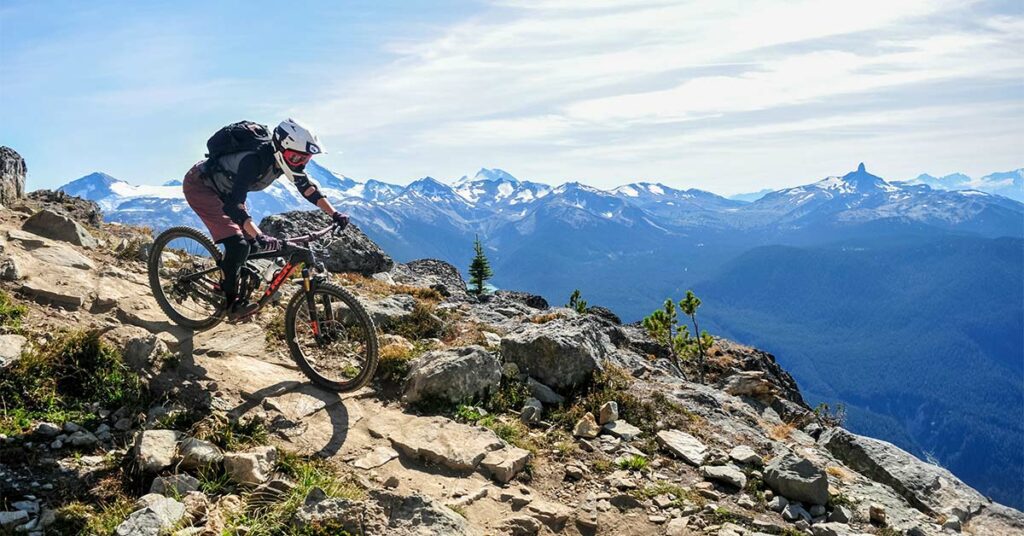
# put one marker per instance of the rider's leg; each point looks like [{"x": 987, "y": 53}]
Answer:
[{"x": 236, "y": 251}]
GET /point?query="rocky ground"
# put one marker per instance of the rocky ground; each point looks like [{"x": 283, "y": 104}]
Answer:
[{"x": 500, "y": 416}]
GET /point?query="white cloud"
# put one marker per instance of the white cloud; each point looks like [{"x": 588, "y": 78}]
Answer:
[{"x": 542, "y": 82}]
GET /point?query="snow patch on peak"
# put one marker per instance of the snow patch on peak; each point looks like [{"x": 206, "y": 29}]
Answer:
[
  {"x": 836, "y": 184},
  {"x": 494, "y": 175},
  {"x": 628, "y": 191}
]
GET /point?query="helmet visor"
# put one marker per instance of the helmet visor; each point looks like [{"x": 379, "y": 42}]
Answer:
[{"x": 296, "y": 158}]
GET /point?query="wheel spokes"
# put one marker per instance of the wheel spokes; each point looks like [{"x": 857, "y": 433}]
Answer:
[
  {"x": 194, "y": 298},
  {"x": 339, "y": 348}
]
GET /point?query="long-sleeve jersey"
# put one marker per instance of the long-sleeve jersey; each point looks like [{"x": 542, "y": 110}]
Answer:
[{"x": 242, "y": 173}]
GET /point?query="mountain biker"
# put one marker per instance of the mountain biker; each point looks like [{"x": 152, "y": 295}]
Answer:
[{"x": 216, "y": 189}]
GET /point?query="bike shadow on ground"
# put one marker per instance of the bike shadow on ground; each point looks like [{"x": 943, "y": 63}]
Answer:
[
  {"x": 189, "y": 382},
  {"x": 333, "y": 407}
]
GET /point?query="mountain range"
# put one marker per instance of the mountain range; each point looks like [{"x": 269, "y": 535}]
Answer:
[{"x": 899, "y": 299}]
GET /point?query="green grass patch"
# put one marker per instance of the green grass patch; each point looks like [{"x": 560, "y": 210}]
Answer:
[
  {"x": 92, "y": 520},
  {"x": 679, "y": 493},
  {"x": 11, "y": 313},
  {"x": 468, "y": 414},
  {"x": 633, "y": 463},
  {"x": 394, "y": 361},
  {"x": 513, "y": 432},
  {"x": 60, "y": 381},
  {"x": 722, "y": 516},
  {"x": 511, "y": 394},
  {"x": 231, "y": 434},
  {"x": 273, "y": 517}
]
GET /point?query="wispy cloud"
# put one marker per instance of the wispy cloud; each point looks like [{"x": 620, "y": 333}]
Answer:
[
  {"x": 723, "y": 95},
  {"x": 556, "y": 79}
]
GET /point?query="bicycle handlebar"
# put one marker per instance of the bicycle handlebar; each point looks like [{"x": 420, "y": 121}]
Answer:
[{"x": 305, "y": 239}]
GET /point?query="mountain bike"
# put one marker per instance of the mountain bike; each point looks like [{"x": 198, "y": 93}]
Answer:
[{"x": 328, "y": 332}]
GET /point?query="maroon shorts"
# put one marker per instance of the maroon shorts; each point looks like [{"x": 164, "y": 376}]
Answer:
[{"x": 207, "y": 204}]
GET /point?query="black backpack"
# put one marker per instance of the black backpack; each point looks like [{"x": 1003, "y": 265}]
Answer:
[{"x": 236, "y": 138}]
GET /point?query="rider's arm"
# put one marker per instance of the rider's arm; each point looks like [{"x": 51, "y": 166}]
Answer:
[
  {"x": 311, "y": 192},
  {"x": 325, "y": 206},
  {"x": 234, "y": 203}
]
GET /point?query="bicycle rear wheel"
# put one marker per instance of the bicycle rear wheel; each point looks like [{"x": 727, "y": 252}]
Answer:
[
  {"x": 184, "y": 275},
  {"x": 336, "y": 345}
]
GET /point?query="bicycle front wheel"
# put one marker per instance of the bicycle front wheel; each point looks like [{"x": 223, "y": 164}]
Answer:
[{"x": 331, "y": 338}]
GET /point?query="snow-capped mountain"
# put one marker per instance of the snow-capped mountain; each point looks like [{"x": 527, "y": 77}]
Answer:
[
  {"x": 686, "y": 208},
  {"x": 1007, "y": 183},
  {"x": 109, "y": 192},
  {"x": 860, "y": 197},
  {"x": 497, "y": 188},
  {"x": 409, "y": 218}
]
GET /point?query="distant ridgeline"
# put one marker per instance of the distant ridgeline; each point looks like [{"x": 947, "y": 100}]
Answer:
[{"x": 899, "y": 299}]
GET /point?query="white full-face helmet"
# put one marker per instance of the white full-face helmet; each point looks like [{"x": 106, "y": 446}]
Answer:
[{"x": 294, "y": 145}]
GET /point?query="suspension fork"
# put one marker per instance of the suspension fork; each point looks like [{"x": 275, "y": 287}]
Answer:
[{"x": 307, "y": 286}]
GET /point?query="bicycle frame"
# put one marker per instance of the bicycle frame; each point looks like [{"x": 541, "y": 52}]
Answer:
[{"x": 296, "y": 255}]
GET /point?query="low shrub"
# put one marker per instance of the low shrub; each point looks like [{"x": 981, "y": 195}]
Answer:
[
  {"x": 383, "y": 288},
  {"x": 231, "y": 434},
  {"x": 60, "y": 381},
  {"x": 544, "y": 318},
  {"x": 395, "y": 359},
  {"x": 650, "y": 414},
  {"x": 81, "y": 518},
  {"x": 633, "y": 463},
  {"x": 781, "y": 432},
  {"x": 425, "y": 322},
  {"x": 678, "y": 493},
  {"x": 273, "y": 516},
  {"x": 11, "y": 313}
]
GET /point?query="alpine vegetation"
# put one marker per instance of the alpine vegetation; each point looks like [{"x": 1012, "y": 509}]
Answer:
[
  {"x": 663, "y": 325},
  {"x": 576, "y": 302},
  {"x": 480, "y": 269}
]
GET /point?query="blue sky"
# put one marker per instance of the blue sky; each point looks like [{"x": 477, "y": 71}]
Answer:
[{"x": 725, "y": 96}]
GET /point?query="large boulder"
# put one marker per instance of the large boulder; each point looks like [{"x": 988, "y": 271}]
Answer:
[
  {"x": 927, "y": 487},
  {"x": 59, "y": 227},
  {"x": 453, "y": 375},
  {"x": 431, "y": 273},
  {"x": 353, "y": 251},
  {"x": 560, "y": 353},
  {"x": 76, "y": 208},
  {"x": 797, "y": 479},
  {"x": 12, "y": 176}
]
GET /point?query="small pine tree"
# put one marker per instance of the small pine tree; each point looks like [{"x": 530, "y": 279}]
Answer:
[
  {"x": 480, "y": 269},
  {"x": 663, "y": 326},
  {"x": 577, "y": 303},
  {"x": 689, "y": 306}
]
